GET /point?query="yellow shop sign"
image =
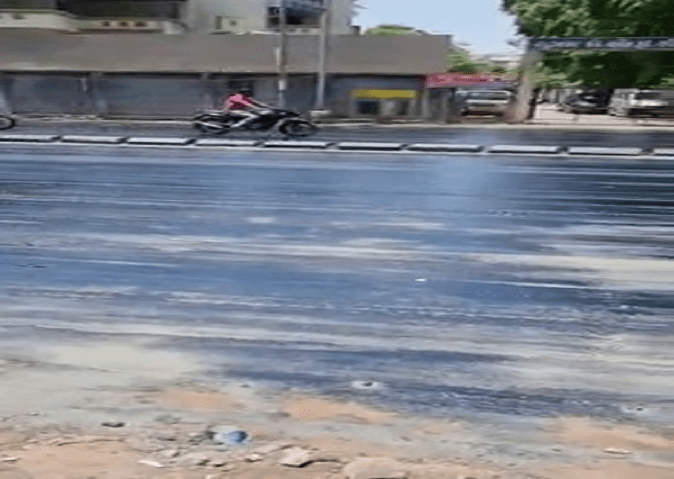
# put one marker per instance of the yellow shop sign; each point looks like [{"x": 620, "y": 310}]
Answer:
[{"x": 385, "y": 94}]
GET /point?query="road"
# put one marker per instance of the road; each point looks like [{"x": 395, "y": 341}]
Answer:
[{"x": 463, "y": 286}]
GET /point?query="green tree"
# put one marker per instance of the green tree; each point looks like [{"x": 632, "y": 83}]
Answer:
[
  {"x": 459, "y": 61},
  {"x": 601, "y": 18}
]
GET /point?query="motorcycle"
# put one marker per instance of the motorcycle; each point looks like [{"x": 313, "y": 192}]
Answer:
[
  {"x": 6, "y": 122},
  {"x": 286, "y": 122}
]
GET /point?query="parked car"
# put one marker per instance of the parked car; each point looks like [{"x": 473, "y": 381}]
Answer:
[
  {"x": 485, "y": 102},
  {"x": 634, "y": 102},
  {"x": 584, "y": 103}
]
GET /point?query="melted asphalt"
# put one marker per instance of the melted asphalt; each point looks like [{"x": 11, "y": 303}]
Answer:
[{"x": 457, "y": 285}]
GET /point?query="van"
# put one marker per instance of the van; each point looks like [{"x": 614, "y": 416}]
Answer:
[{"x": 634, "y": 102}]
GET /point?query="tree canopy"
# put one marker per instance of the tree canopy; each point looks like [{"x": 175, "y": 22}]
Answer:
[
  {"x": 459, "y": 61},
  {"x": 601, "y": 18}
]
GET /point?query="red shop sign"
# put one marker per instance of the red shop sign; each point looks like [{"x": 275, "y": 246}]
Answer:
[{"x": 440, "y": 80}]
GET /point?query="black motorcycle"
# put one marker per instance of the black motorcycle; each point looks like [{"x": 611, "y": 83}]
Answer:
[
  {"x": 286, "y": 122},
  {"x": 6, "y": 122}
]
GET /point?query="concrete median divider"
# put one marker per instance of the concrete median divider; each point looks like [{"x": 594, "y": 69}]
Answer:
[
  {"x": 364, "y": 146},
  {"x": 97, "y": 140},
  {"x": 604, "y": 151},
  {"x": 313, "y": 145},
  {"x": 525, "y": 149},
  {"x": 158, "y": 141},
  {"x": 345, "y": 146},
  {"x": 227, "y": 142},
  {"x": 444, "y": 148},
  {"x": 29, "y": 138}
]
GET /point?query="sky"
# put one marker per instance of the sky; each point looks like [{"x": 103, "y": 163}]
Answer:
[{"x": 479, "y": 23}]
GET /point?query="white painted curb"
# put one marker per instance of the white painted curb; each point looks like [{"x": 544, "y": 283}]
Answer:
[
  {"x": 525, "y": 149},
  {"x": 318, "y": 145},
  {"x": 30, "y": 138},
  {"x": 591, "y": 150},
  {"x": 107, "y": 140},
  {"x": 445, "y": 148},
  {"x": 148, "y": 140},
  {"x": 370, "y": 146},
  {"x": 663, "y": 151},
  {"x": 225, "y": 142}
]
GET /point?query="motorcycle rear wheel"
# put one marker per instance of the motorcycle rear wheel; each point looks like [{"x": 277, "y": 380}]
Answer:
[
  {"x": 299, "y": 128},
  {"x": 6, "y": 122}
]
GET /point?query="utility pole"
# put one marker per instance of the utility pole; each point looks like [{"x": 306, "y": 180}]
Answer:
[
  {"x": 323, "y": 54},
  {"x": 282, "y": 57}
]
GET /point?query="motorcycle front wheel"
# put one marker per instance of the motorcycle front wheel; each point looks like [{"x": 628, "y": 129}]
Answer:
[
  {"x": 298, "y": 128},
  {"x": 6, "y": 122}
]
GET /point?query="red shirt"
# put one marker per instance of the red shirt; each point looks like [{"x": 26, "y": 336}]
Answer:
[{"x": 238, "y": 102}]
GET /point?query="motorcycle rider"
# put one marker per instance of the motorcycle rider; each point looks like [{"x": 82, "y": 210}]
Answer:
[{"x": 242, "y": 103}]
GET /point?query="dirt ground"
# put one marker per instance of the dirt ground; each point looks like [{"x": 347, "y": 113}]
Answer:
[{"x": 117, "y": 410}]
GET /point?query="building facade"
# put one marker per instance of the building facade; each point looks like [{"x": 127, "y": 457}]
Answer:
[
  {"x": 175, "y": 16},
  {"x": 122, "y": 75}
]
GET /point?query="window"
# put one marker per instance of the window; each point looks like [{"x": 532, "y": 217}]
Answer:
[
  {"x": 647, "y": 95},
  {"x": 18, "y": 16},
  {"x": 489, "y": 95},
  {"x": 218, "y": 23},
  {"x": 123, "y": 24},
  {"x": 141, "y": 24},
  {"x": 233, "y": 23}
]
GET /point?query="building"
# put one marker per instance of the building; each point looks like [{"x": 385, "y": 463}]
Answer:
[
  {"x": 174, "y": 16},
  {"x": 94, "y": 16},
  {"x": 172, "y": 76},
  {"x": 259, "y": 16}
]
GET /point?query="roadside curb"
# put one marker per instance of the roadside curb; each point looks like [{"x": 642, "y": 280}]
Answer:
[
  {"x": 356, "y": 145},
  {"x": 149, "y": 140},
  {"x": 445, "y": 148},
  {"x": 30, "y": 138},
  {"x": 217, "y": 142},
  {"x": 525, "y": 149},
  {"x": 592, "y": 150},
  {"x": 107, "y": 140},
  {"x": 316, "y": 145},
  {"x": 346, "y": 147}
]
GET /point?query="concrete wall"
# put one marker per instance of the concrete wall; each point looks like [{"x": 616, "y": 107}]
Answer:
[
  {"x": 48, "y": 94},
  {"x": 173, "y": 75},
  {"x": 341, "y": 16},
  {"x": 49, "y": 51},
  {"x": 171, "y": 95},
  {"x": 249, "y": 14},
  {"x": 47, "y": 19}
]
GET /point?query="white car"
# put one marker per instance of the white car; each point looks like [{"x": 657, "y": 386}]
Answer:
[
  {"x": 633, "y": 102},
  {"x": 485, "y": 102}
]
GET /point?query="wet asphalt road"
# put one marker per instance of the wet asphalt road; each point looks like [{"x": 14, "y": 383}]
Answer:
[{"x": 457, "y": 285}]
